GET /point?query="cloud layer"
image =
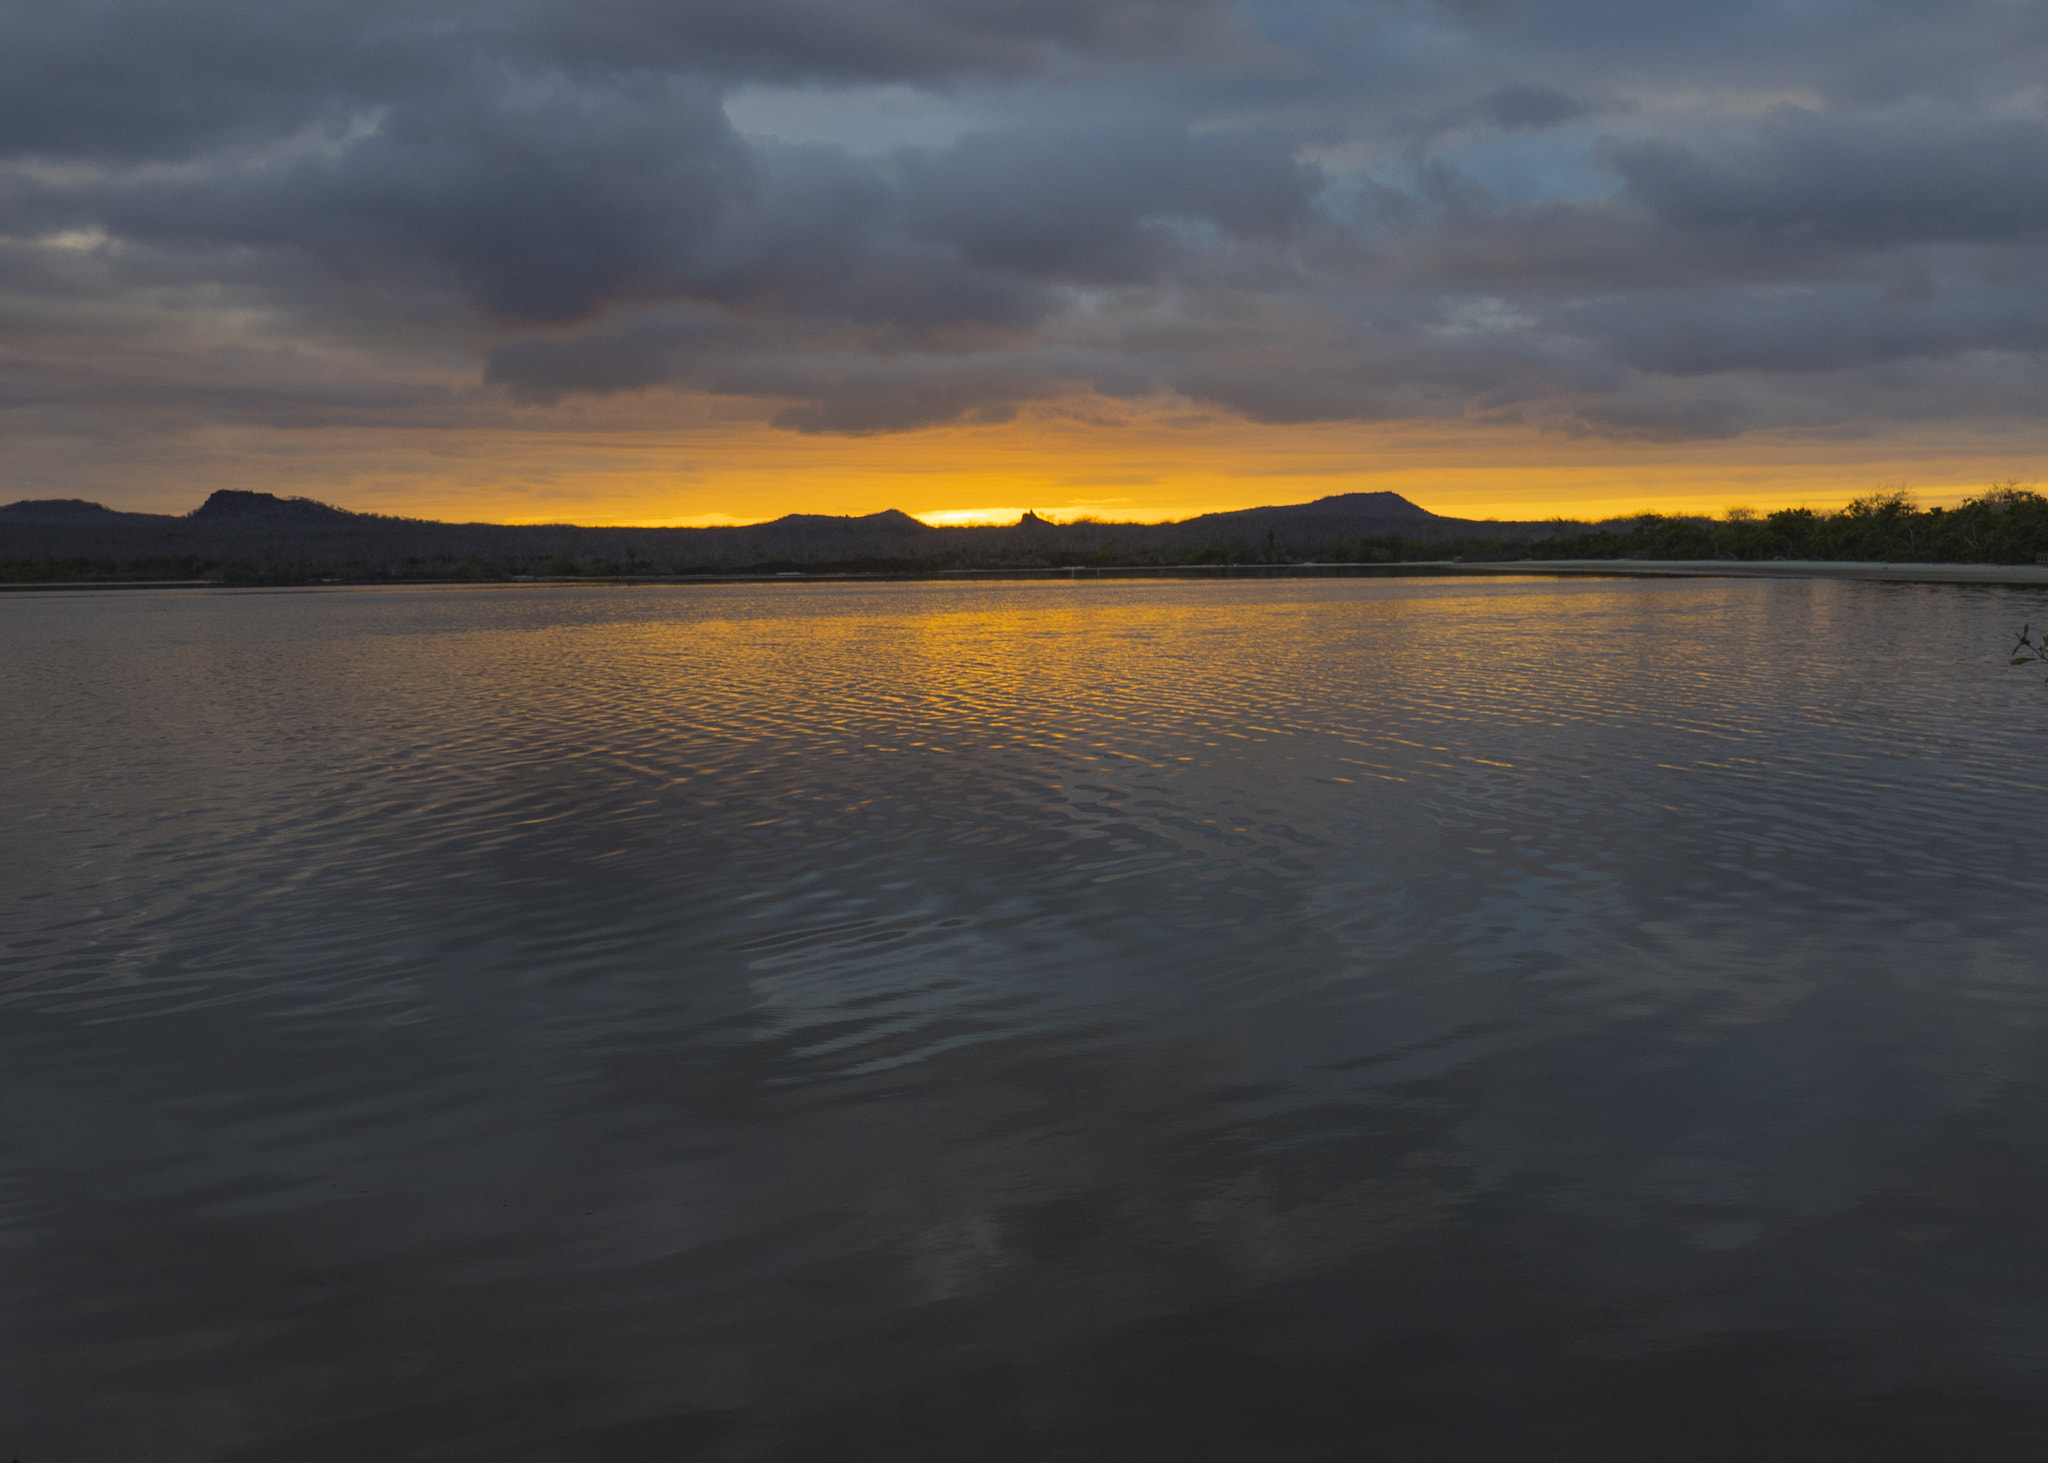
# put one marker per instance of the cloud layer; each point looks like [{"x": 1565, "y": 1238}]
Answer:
[{"x": 1655, "y": 220}]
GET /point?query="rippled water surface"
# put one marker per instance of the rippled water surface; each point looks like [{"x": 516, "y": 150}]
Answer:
[{"x": 1332, "y": 1019}]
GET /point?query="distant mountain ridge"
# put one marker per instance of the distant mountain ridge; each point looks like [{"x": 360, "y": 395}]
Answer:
[
  {"x": 261, "y": 536},
  {"x": 241, "y": 537},
  {"x": 236, "y": 505}
]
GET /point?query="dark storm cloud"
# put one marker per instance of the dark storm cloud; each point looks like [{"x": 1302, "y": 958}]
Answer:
[
  {"x": 138, "y": 79},
  {"x": 538, "y": 200},
  {"x": 1815, "y": 180},
  {"x": 646, "y": 349},
  {"x": 1522, "y": 105},
  {"x": 1647, "y": 218}
]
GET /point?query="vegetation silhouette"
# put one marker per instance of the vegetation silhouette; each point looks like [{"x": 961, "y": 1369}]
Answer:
[
  {"x": 2026, "y": 650},
  {"x": 2006, "y": 524}
]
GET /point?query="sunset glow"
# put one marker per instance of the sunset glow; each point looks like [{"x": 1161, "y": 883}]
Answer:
[
  {"x": 615, "y": 466},
  {"x": 1130, "y": 261}
]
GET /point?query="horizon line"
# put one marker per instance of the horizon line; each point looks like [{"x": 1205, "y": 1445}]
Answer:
[{"x": 1008, "y": 516}]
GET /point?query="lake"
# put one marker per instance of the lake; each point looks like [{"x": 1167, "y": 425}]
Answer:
[{"x": 1126, "y": 1020}]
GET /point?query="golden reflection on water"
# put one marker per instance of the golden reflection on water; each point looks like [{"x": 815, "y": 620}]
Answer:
[{"x": 727, "y": 1008}]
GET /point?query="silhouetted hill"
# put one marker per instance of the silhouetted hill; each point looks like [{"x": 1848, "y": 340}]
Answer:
[
  {"x": 1380, "y": 507},
  {"x": 888, "y": 520},
  {"x": 230, "y": 504},
  {"x": 1337, "y": 519},
  {"x": 68, "y": 510},
  {"x": 250, "y": 535}
]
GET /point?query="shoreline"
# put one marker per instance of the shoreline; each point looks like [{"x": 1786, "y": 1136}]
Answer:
[{"x": 2015, "y": 575}]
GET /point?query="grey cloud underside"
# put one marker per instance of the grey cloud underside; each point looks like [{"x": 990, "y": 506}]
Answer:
[
  {"x": 1520, "y": 104},
  {"x": 1588, "y": 216},
  {"x": 135, "y": 79}
]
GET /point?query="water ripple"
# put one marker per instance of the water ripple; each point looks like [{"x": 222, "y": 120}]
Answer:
[{"x": 619, "y": 1022}]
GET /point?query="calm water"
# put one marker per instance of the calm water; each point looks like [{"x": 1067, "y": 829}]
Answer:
[{"x": 1406, "y": 1019}]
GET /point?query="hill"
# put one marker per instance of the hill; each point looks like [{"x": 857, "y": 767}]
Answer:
[{"x": 73, "y": 511}]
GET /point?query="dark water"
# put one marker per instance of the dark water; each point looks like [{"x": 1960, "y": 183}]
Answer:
[{"x": 1322, "y": 1020}]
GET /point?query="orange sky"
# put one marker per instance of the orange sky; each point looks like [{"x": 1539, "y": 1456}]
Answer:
[
  {"x": 665, "y": 460},
  {"x": 557, "y": 261}
]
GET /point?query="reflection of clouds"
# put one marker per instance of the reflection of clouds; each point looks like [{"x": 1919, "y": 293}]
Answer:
[
  {"x": 955, "y": 1258},
  {"x": 1267, "y": 1239},
  {"x": 781, "y": 999}
]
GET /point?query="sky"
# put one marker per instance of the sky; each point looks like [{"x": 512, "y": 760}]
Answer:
[{"x": 701, "y": 261}]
